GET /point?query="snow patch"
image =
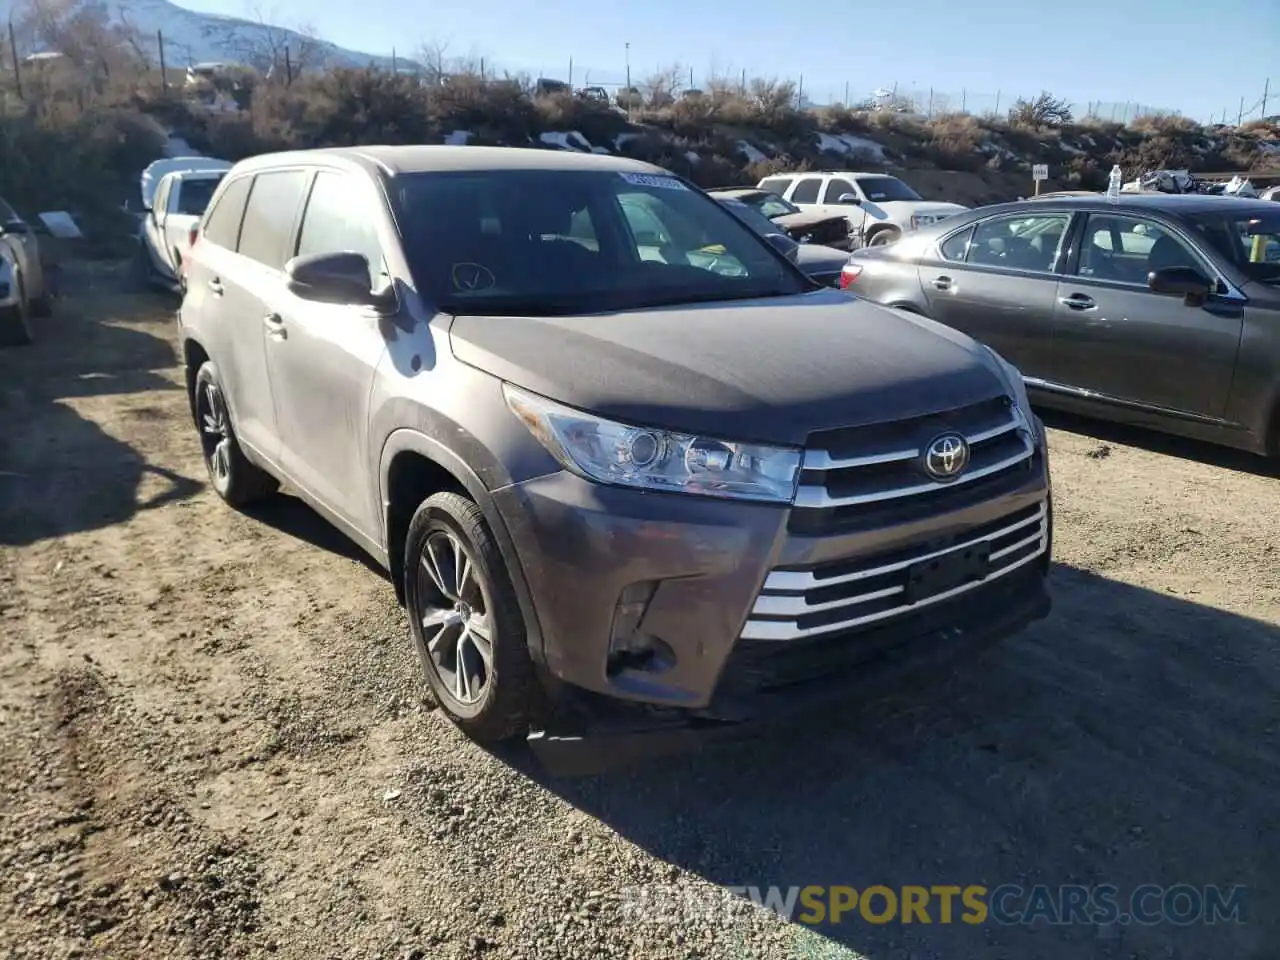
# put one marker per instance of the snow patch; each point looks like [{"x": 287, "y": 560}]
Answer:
[
  {"x": 850, "y": 145},
  {"x": 624, "y": 138},
  {"x": 571, "y": 140},
  {"x": 752, "y": 154},
  {"x": 692, "y": 156},
  {"x": 457, "y": 138}
]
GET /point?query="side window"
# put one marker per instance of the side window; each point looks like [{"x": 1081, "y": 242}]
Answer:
[
  {"x": 807, "y": 190},
  {"x": 837, "y": 188},
  {"x": 339, "y": 219},
  {"x": 776, "y": 185},
  {"x": 1126, "y": 249},
  {"x": 222, "y": 223},
  {"x": 194, "y": 195},
  {"x": 268, "y": 219},
  {"x": 955, "y": 247},
  {"x": 1019, "y": 242}
]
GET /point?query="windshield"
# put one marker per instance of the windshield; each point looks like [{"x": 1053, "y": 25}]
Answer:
[
  {"x": 752, "y": 217},
  {"x": 771, "y": 205},
  {"x": 886, "y": 189},
  {"x": 1251, "y": 242},
  {"x": 195, "y": 195},
  {"x": 563, "y": 242}
]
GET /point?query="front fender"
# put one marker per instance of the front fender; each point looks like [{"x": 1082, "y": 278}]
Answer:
[{"x": 408, "y": 440}]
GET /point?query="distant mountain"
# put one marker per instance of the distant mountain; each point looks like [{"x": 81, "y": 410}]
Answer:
[{"x": 191, "y": 37}]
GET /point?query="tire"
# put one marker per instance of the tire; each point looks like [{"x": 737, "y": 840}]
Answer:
[
  {"x": 15, "y": 326},
  {"x": 493, "y": 698},
  {"x": 236, "y": 480},
  {"x": 882, "y": 238}
]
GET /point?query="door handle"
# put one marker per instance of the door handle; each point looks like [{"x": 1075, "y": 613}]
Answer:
[
  {"x": 215, "y": 287},
  {"x": 275, "y": 326},
  {"x": 942, "y": 283},
  {"x": 1078, "y": 301}
]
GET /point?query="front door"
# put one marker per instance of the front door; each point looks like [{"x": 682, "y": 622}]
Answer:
[
  {"x": 995, "y": 281},
  {"x": 322, "y": 357},
  {"x": 1119, "y": 339},
  {"x": 836, "y": 188}
]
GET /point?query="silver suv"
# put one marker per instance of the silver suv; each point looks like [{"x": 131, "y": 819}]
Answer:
[{"x": 611, "y": 445}]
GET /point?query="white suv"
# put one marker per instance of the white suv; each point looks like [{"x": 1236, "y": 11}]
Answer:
[{"x": 879, "y": 208}]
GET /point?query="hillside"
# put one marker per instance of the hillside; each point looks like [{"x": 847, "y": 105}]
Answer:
[{"x": 189, "y": 37}]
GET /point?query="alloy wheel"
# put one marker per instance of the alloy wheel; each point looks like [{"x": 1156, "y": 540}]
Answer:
[
  {"x": 454, "y": 610},
  {"x": 215, "y": 431}
]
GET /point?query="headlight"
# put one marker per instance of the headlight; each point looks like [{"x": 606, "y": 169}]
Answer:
[
  {"x": 1013, "y": 376},
  {"x": 630, "y": 456}
]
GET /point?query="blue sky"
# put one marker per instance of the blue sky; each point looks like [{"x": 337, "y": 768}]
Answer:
[{"x": 1199, "y": 59}]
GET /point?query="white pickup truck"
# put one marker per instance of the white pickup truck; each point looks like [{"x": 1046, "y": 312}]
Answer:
[
  {"x": 878, "y": 207},
  {"x": 175, "y": 193}
]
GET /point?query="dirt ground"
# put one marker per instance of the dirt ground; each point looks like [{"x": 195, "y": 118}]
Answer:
[{"x": 215, "y": 742}]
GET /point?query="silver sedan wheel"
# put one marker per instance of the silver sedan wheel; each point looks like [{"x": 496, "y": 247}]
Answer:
[{"x": 454, "y": 610}]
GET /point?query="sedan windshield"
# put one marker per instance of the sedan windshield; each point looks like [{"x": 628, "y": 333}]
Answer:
[
  {"x": 1251, "y": 241},
  {"x": 564, "y": 242},
  {"x": 771, "y": 205},
  {"x": 886, "y": 189}
]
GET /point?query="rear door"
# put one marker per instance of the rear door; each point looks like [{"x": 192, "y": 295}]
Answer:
[
  {"x": 186, "y": 205},
  {"x": 996, "y": 280},
  {"x": 154, "y": 226},
  {"x": 322, "y": 357},
  {"x": 1118, "y": 338}
]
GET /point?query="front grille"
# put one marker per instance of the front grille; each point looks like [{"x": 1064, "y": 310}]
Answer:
[
  {"x": 850, "y": 594},
  {"x": 866, "y": 477}
]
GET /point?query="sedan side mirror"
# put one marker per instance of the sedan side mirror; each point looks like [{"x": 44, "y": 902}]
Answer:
[
  {"x": 333, "y": 278},
  {"x": 17, "y": 227},
  {"x": 851, "y": 198},
  {"x": 1186, "y": 282}
]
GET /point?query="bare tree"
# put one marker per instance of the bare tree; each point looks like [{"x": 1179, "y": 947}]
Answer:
[
  {"x": 280, "y": 52},
  {"x": 436, "y": 64},
  {"x": 660, "y": 87},
  {"x": 1044, "y": 111}
]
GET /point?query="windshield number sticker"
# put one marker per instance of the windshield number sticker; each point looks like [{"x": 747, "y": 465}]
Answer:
[{"x": 650, "y": 180}]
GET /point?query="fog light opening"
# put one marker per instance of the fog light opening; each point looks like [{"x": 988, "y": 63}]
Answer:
[{"x": 629, "y": 647}]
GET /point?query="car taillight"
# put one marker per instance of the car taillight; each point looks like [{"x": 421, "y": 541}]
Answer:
[{"x": 849, "y": 275}]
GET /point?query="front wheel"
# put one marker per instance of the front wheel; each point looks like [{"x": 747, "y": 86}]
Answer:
[
  {"x": 466, "y": 623},
  {"x": 883, "y": 238},
  {"x": 234, "y": 478}
]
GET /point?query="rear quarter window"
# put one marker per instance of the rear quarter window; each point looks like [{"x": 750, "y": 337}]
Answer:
[
  {"x": 956, "y": 246},
  {"x": 267, "y": 232},
  {"x": 776, "y": 185}
]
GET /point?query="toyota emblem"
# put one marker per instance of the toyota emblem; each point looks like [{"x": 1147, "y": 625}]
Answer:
[{"x": 946, "y": 456}]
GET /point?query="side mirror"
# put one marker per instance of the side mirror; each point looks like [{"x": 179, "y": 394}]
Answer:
[
  {"x": 1186, "y": 282},
  {"x": 851, "y": 198},
  {"x": 17, "y": 227},
  {"x": 784, "y": 245},
  {"x": 333, "y": 278}
]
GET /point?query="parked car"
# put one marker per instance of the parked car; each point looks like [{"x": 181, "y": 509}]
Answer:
[
  {"x": 828, "y": 230},
  {"x": 173, "y": 207},
  {"x": 879, "y": 208},
  {"x": 30, "y": 295},
  {"x": 15, "y": 309},
  {"x": 1161, "y": 310},
  {"x": 822, "y": 265},
  {"x": 667, "y": 488}
]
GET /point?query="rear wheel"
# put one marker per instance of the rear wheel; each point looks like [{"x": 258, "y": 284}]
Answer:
[
  {"x": 15, "y": 326},
  {"x": 236, "y": 480},
  {"x": 466, "y": 623}
]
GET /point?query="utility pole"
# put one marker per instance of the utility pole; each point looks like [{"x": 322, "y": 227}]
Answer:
[
  {"x": 1240, "y": 115},
  {"x": 571, "y": 72},
  {"x": 17, "y": 71},
  {"x": 800, "y": 93},
  {"x": 164, "y": 74},
  {"x": 846, "y": 93},
  {"x": 630, "y": 97},
  {"x": 1266, "y": 95}
]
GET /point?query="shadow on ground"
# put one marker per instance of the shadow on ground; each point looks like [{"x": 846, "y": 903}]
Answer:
[
  {"x": 60, "y": 472},
  {"x": 1207, "y": 453},
  {"x": 1132, "y": 738},
  {"x": 293, "y": 517}
]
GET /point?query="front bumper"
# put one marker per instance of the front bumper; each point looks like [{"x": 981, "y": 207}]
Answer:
[{"x": 698, "y": 581}]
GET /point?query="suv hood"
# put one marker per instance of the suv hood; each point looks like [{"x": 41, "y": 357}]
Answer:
[
  {"x": 771, "y": 370},
  {"x": 798, "y": 221}
]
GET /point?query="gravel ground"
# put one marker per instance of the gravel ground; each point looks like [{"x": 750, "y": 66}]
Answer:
[{"x": 215, "y": 742}]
